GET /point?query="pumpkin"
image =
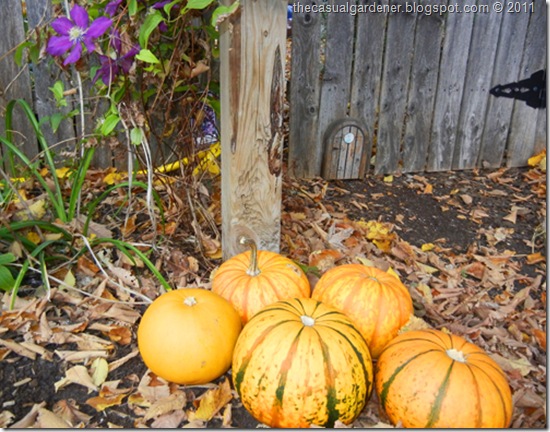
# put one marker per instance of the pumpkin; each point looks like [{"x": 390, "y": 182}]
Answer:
[
  {"x": 377, "y": 302},
  {"x": 427, "y": 378},
  {"x": 187, "y": 336},
  {"x": 299, "y": 362},
  {"x": 254, "y": 279}
]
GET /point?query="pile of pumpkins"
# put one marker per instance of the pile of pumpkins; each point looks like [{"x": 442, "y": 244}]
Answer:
[{"x": 300, "y": 358}]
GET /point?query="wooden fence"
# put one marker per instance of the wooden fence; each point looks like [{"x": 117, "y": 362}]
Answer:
[{"x": 415, "y": 84}]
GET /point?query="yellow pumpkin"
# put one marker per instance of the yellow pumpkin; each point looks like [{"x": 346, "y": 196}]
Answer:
[
  {"x": 431, "y": 379},
  {"x": 377, "y": 302},
  {"x": 299, "y": 362},
  {"x": 187, "y": 336},
  {"x": 254, "y": 279}
]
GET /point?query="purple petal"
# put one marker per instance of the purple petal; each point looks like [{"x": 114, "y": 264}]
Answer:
[
  {"x": 62, "y": 25},
  {"x": 161, "y": 4},
  {"x": 99, "y": 26},
  {"x": 115, "y": 40},
  {"x": 58, "y": 45},
  {"x": 74, "y": 56},
  {"x": 80, "y": 16},
  {"x": 112, "y": 6},
  {"x": 89, "y": 42}
]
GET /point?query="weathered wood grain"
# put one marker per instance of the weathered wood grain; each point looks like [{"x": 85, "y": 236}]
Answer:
[
  {"x": 481, "y": 59},
  {"x": 450, "y": 88},
  {"x": 39, "y": 15},
  {"x": 499, "y": 110},
  {"x": 422, "y": 89},
  {"x": 305, "y": 153},
  {"x": 336, "y": 74},
  {"x": 253, "y": 43},
  {"x": 367, "y": 71},
  {"x": 395, "y": 85},
  {"x": 15, "y": 80},
  {"x": 521, "y": 140}
]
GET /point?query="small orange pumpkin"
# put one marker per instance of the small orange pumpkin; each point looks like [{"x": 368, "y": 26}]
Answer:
[
  {"x": 187, "y": 336},
  {"x": 377, "y": 302},
  {"x": 431, "y": 379},
  {"x": 254, "y": 279}
]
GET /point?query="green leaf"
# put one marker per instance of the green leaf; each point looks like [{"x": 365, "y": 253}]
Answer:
[
  {"x": 151, "y": 23},
  {"x": 58, "y": 89},
  {"x": 7, "y": 258},
  {"x": 147, "y": 56},
  {"x": 109, "y": 124},
  {"x": 55, "y": 121},
  {"x": 7, "y": 281},
  {"x": 18, "y": 56},
  {"x": 222, "y": 12},
  {"x": 135, "y": 136},
  {"x": 132, "y": 7},
  {"x": 198, "y": 4}
]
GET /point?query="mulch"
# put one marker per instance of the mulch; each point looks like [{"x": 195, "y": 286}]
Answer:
[{"x": 470, "y": 246}]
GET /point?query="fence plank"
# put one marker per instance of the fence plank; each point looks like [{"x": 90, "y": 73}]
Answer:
[
  {"x": 336, "y": 74},
  {"x": 39, "y": 13},
  {"x": 421, "y": 98},
  {"x": 367, "y": 70},
  {"x": 450, "y": 89},
  {"x": 395, "y": 85},
  {"x": 521, "y": 141},
  {"x": 304, "y": 94},
  {"x": 14, "y": 80},
  {"x": 483, "y": 48},
  {"x": 506, "y": 70}
]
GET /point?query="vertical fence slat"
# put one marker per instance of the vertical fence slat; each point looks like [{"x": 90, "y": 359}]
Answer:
[
  {"x": 336, "y": 75},
  {"x": 506, "y": 70},
  {"x": 45, "y": 74},
  {"x": 367, "y": 70},
  {"x": 449, "y": 90},
  {"x": 421, "y": 99},
  {"x": 483, "y": 48},
  {"x": 395, "y": 84},
  {"x": 14, "y": 80},
  {"x": 304, "y": 153},
  {"x": 521, "y": 141}
]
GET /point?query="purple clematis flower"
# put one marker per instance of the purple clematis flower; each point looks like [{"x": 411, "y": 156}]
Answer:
[
  {"x": 111, "y": 66},
  {"x": 112, "y": 7},
  {"x": 73, "y": 33}
]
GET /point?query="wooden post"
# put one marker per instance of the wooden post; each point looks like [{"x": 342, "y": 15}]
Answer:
[{"x": 253, "y": 45}]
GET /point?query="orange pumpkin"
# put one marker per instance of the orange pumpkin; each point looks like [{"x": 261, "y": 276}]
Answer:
[
  {"x": 377, "y": 302},
  {"x": 299, "y": 362},
  {"x": 431, "y": 379},
  {"x": 187, "y": 336},
  {"x": 254, "y": 279}
]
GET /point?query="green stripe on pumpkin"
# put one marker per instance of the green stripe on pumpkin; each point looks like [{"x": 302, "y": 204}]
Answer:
[{"x": 436, "y": 407}]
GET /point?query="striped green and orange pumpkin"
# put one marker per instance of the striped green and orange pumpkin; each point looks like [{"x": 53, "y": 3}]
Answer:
[
  {"x": 431, "y": 379},
  {"x": 299, "y": 362},
  {"x": 376, "y": 301},
  {"x": 254, "y": 279}
]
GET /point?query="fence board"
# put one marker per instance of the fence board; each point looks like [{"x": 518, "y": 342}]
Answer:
[
  {"x": 521, "y": 143},
  {"x": 304, "y": 93},
  {"x": 483, "y": 48},
  {"x": 39, "y": 12},
  {"x": 450, "y": 89},
  {"x": 14, "y": 80},
  {"x": 367, "y": 71},
  {"x": 336, "y": 74},
  {"x": 421, "y": 98},
  {"x": 499, "y": 110},
  {"x": 395, "y": 85}
]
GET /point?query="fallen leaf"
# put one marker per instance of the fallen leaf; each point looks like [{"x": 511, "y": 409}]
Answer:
[
  {"x": 48, "y": 420},
  {"x": 426, "y": 292},
  {"x": 324, "y": 259},
  {"x": 100, "y": 403},
  {"x": 211, "y": 402},
  {"x": 522, "y": 365},
  {"x": 535, "y": 258},
  {"x": 175, "y": 401},
  {"x": 540, "y": 336},
  {"x": 426, "y": 247},
  {"x": 76, "y": 375},
  {"x": 467, "y": 199},
  {"x": 100, "y": 370}
]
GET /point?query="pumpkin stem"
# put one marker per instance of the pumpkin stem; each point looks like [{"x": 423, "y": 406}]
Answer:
[
  {"x": 190, "y": 301},
  {"x": 253, "y": 269},
  {"x": 307, "y": 320},
  {"x": 456, "y": 355}
]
